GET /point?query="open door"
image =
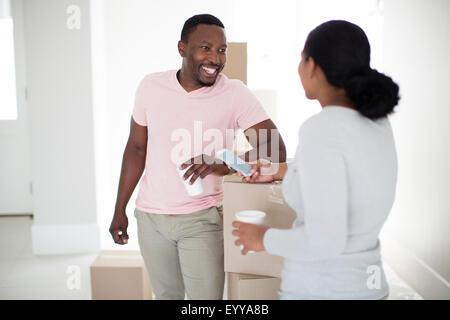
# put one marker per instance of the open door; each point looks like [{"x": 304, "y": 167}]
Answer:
[{"x": 15, "y": 164}]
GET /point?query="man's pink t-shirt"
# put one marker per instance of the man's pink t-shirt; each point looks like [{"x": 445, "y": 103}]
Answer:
[{"x": 181, "y": 125}]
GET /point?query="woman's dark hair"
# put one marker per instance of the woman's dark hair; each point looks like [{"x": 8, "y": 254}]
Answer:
[{"x": 342, "y": 50}]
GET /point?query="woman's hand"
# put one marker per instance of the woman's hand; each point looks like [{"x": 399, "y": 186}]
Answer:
[
  {"x": 250, "y": 236},
  {"x": 263, "y": 171}
]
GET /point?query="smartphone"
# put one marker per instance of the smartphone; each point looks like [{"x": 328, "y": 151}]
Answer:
[{"x": 234, "y": 162}]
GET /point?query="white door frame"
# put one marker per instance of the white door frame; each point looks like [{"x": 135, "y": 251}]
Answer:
[{"x": 15, "y": 148}]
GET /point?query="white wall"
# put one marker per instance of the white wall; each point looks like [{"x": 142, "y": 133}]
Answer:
[
  {"x": 417, "y": 46},
  {"x": 58, "y": 73}
]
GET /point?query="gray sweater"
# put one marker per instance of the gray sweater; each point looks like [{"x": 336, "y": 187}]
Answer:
[{"x": 342, "y": 186}]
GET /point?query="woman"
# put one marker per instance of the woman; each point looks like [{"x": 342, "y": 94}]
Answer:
[{"x": 342, "y": 180}]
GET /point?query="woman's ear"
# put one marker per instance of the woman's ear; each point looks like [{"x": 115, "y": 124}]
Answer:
[
  {"x": 311, "y": 67},
  {"x": 309, "y": 77},
  {"x": 316, "y": 73},
  {"x": 182, "y": 48}
]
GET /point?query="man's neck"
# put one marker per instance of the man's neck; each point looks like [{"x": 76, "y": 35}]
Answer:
[{"x": 186, "y": 82}]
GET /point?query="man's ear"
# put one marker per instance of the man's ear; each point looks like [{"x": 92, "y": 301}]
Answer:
[{"x": 182, "y": 48}]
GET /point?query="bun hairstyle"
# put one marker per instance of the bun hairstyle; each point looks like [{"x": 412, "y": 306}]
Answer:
[{"x": 342, "y": 50}]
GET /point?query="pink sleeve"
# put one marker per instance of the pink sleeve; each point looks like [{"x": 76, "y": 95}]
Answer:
[
  {"x": 139, "y": 110},
  {"x": 247, "y": 108}
]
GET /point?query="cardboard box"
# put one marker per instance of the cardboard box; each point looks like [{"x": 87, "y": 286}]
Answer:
[
  {"x": 252, "y": 287},
  {"x": 266, "y": 197},
  {"x": 236, "y": 68},
  {"x": 120, "y": 275},
  {"x": 236, "y": 65}
]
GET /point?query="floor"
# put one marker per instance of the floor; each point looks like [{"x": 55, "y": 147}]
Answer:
[{"x": 26, "y": 276}]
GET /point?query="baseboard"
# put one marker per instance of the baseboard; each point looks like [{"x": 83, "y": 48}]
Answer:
[
  {"x": 413, "y": 270},
  {"x": 15, "y": 215},
  {"x": 65, "y": 239}
]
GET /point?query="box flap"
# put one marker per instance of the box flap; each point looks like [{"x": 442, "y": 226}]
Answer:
[{"x": 119, "y": 258}]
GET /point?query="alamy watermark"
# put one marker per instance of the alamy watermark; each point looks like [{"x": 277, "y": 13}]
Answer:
[
  {"x": 190, "y": 146},
  {"x": 374, "y": 280},
  {"x": 73, "y": 281},
  {"x": 73, "y": 21}
]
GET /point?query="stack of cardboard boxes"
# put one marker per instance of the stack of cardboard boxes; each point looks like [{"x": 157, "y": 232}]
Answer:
[
  {"x": 236, "y": 68},
  {"x": 254, "y": 275}
]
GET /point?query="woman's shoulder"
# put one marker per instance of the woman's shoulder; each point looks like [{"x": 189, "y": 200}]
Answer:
[
  {"x": 321, "y": 122},
  {"x": 328, "y": 129}
]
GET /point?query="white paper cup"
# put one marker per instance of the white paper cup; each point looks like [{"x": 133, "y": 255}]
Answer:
[
  {"x": 192, "y": 189},
  {"x": 250, "y": 216}
]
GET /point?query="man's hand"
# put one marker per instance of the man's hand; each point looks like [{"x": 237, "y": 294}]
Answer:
[
  {"x": 203, "y": 165},
  {"x": 118, "y": 228}
]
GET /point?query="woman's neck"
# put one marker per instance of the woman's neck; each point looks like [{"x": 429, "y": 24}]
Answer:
[{"x": 335, "y": 97}]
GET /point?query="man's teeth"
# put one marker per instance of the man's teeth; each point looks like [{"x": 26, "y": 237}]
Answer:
[{"x": 209, "y": 70}]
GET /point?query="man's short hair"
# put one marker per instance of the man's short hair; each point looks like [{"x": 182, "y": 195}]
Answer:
[{"x": 192, "y": 22}]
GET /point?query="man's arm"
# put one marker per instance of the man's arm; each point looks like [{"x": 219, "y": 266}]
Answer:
[
  {"x": 266, "y": 142},
  {"x": 133, "y": 165}
]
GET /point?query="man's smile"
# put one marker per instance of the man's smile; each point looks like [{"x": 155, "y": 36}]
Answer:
[{"x": 210, "y": 71}]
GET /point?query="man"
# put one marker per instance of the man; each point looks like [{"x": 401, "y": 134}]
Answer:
[{"x": 181, "y": 237}]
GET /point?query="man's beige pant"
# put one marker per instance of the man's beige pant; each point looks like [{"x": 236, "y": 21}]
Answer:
[{"x": 183, "y": 253}]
